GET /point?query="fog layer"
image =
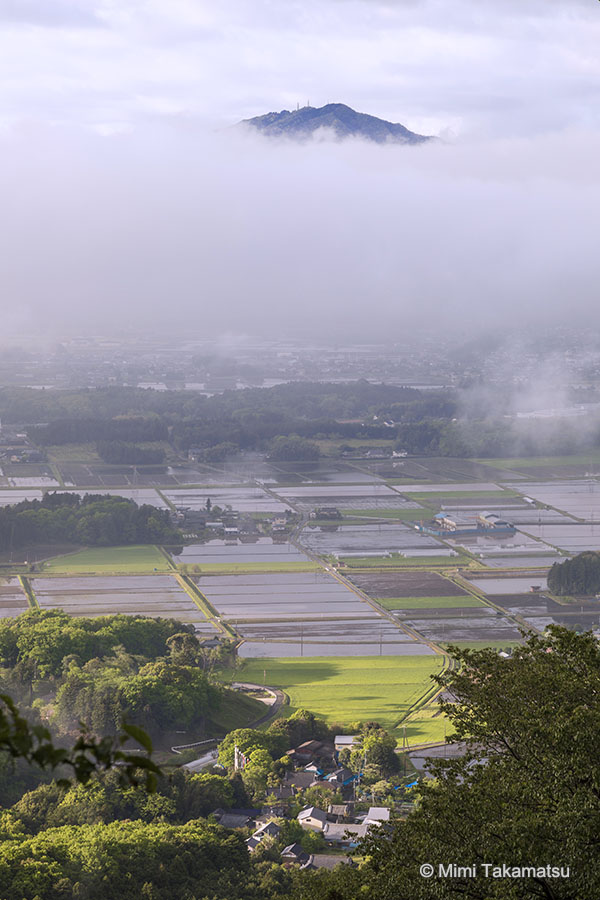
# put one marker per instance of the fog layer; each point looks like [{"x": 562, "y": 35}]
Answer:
[{"x": 212, "y": 232}]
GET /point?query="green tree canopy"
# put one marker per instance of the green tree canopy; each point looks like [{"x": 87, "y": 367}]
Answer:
[{"x": 527, "y": 793}]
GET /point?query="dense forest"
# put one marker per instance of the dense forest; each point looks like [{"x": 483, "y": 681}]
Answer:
[
  {"x": 438, "y": 422},
  {"x": 579, "y": 575},
  {"x": 91, "y": 520}
]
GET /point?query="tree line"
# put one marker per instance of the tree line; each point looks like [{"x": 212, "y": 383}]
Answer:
[
  {"x": 579, "y": 575},
  {"x": 91, "y": 520}
]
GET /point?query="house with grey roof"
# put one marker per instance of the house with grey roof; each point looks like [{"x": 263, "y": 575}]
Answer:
[{"x": 312, "y": 818}]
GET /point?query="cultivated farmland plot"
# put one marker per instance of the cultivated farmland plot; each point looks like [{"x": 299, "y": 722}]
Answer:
[
  {"x": 463, "y": 625},
  {"x": 303, "y": 614},
  {"x": 346, "y": 496},
  {"x": 280, "y": 596},
  {"x": 364, "y": 539},
  {"x": 145, "y": 595},
  {"x": 140, "y": 496},
  {"x": 509, "y": 585},
  {"x": 516, "y": 511},
  {"x": 251, "y": 499},
  {"x": 406, "y": 584},
  {"x": 539, "y": 611},
  {"x": 326, "y": 473},
  {"x": 573, "y": 538},
  {"x": 465, "y": 487},
  {"x": 331, "y": 650},
  {"x": 351, "y": 689},
  {"x": 26, "y": 475},
  {"x": 558, "y": 471},
  {"x": 17, "y": 496},
  {"x": 579, "y": 498},
  {"x": 263, "y": 550},
  {"x": 442, "y": 468},
  {"x": 12, "y": 599},
  {"x": 200, "y": 474},
  {"x": 500, "y": 545},
  {"x": 543, "y": 561}
]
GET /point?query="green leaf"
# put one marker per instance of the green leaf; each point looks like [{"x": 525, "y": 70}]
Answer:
[{"x": 139, "y": 735}]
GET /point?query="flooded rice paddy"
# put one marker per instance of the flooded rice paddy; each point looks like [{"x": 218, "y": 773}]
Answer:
[
  {"x": 7, "y": 497},
  {"x": 406, "y": 584},
  {"x": 267, "y": 649},
  {"x": 474, "y": 625},
  {"x": 572, "y": 538},
  {"x": 471, "y": 486},
  {"x": 263, "y": 550},
  {"x": 379, "y": 538},
  {"x": 303, "y": 614},
  {"x": 12, "y": 598},
  {"x": 510, "y": 584},
  {"x": 95, "y": 595},
  {"x": 242, "y": 499},
  {"x": 358, "y": 496},
  {"x": 579, "y": 498}
]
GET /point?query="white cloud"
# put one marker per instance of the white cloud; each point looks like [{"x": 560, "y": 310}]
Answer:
[
  {"x": 232, "y": 233},
  {"x": 485, "y": 67}
]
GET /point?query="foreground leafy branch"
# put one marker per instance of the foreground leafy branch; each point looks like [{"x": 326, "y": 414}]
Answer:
[{"x": 34, "y": 744}]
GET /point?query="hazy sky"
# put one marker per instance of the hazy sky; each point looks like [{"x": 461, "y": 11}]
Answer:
[
  {"x": 124, "y": 193},
  {"x": 516, "y": 67}
]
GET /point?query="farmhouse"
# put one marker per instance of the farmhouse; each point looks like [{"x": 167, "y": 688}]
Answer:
[
  {"x": 344, "y": 741},
  {"x": 341, "y": 777},
  {"x": 294, "y": 853},
  {"x": 313, "y": 818},
  {"x": 339, "y": 812},
  {"x": 377, "y": 815},
  {"x": 269, "y": 830},
  {"x": 299, "y": 781},
  {"x": 344, "y": 834},
  {"x": 310, "y": 750}
]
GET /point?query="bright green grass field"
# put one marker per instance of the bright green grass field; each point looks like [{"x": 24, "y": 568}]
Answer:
[
  {"x": 142, "y": 559},
  {"x": 428, "y": 602},
  {"x": 345, "y": 690},
  {"x": 426, "y": 726}
]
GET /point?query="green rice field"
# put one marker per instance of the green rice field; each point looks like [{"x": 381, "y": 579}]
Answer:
[
  {"x": 348, "y": 690},
  {"x": 426, "y": 726},
  {"x": 140, "y": 560}
]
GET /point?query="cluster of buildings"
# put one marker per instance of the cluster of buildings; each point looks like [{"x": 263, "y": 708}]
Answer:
[
  {"x": 456, "y": 525},
  {"x": 227, "y": 523},
  {"x": 341, "y": 825},
  {"x": 338, "y": 823}
]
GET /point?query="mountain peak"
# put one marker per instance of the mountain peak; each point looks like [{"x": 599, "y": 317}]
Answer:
[{"x": 343, "y": 121}]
